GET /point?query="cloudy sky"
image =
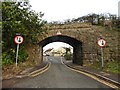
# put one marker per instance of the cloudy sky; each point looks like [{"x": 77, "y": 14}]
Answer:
[{"x": 59, "y": 10}]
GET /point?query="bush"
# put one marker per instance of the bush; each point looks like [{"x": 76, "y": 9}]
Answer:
[
  {"x": 10, "y": 56},
  {"x": 22, "y": 55},
  {"x": 68, "y": 56}
]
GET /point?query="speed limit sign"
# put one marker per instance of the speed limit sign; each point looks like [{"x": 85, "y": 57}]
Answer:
[
  {"x": 101, "y": 42},
  {"x": 18, "y": 39}
]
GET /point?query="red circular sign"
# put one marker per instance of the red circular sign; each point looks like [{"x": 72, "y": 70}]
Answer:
[
  {"x": 101, "y": 42},
  {"x": 18, "y": 39}
]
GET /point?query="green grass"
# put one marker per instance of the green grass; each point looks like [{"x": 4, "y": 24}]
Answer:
[
  {"x": 96, "y": 65},
  {"x": 112, "y": 66}
]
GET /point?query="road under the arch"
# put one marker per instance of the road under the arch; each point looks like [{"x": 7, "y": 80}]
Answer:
[{"x": 77, "y": 47}]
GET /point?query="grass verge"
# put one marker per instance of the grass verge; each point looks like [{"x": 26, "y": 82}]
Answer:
[{"x": 111, "y": 66}]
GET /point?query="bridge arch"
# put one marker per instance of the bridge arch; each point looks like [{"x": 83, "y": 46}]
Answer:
[{"x": 77, "y": 46}]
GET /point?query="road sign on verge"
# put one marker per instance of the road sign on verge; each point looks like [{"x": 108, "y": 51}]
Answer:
[
  {"x": 18, "y": 39},
  {"x": 101, "y": 42}
]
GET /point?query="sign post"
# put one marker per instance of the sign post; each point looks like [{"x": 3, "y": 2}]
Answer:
[
  {"x": 17, "y": 54},
  {"x": 102, "y": 43},
  {"x": 18, "y": 40},
  {"x": 102, "y": 57}
]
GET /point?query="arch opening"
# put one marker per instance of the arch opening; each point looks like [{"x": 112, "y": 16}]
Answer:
[
  {"x": 58, "y": 49},
  {"x": 77, "y": 47}
]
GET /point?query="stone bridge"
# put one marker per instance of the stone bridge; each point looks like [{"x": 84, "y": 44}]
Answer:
[{"x": 82, "y": 37}]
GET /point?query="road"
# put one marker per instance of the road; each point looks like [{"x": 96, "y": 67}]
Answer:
[{"x": 59, "y": 76}]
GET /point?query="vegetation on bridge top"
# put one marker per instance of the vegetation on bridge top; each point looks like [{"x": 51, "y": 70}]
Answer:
[{"x": 108, "y": 20}]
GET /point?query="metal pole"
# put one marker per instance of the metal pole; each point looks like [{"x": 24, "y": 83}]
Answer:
[
  {"x": 17, "y": 54},
  {"x": 102, "y": 57}
]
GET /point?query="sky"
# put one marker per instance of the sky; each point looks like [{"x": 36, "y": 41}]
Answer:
[
  {"x": 119, "y": 9},
  {"x": 56, "y": 45},
  {"x": 60, "y": 10}
]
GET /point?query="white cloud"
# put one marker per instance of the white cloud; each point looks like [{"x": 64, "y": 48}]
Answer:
[{"x": 64, "y": 9}]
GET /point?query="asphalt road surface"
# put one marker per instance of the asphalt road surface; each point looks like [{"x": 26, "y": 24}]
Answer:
[{"x": 59, "y": 76}]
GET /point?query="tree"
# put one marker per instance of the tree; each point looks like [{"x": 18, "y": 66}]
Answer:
[{"x": 19, "y": 18}]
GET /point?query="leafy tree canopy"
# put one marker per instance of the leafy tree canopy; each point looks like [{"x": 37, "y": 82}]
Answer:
[{"x": 17, "y": 17}]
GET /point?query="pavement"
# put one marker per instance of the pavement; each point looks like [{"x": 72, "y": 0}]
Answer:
[{"x": 110, "y": 77}]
